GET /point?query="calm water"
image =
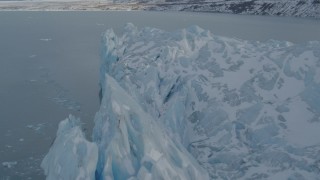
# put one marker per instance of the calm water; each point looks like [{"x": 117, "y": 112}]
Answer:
[{"x": 49, "y": 66}]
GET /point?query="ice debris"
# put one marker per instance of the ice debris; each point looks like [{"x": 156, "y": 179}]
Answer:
[{"x": 9, "y": 164}]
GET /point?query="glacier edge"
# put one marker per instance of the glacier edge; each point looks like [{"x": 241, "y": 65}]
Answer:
[{"x": 242, "y": 109}]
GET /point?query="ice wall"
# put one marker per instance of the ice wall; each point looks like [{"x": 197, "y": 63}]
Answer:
[
  {"x": 127, "y": 144},
  {"x": 132, "y": 145}
]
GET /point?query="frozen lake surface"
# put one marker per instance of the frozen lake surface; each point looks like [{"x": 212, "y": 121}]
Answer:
[{"x": 49, "y": 68}]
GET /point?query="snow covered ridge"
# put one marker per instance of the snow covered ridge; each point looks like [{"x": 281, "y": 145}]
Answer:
[
  {"x": 174, "y": 100},
  {"x": 296, "y": 8}
]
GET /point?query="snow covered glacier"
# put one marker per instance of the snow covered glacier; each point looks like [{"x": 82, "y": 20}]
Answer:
[{"x": 192, "y": 105}]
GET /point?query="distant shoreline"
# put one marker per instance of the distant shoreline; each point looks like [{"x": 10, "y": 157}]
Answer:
[
  {"x": 252, "y": 7},
  {"x": 65, "y": 6}
]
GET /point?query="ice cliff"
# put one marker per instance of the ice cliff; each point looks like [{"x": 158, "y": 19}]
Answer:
[
  {"x": 243, "y": 110},
  {"x": 127, "y": 144}
]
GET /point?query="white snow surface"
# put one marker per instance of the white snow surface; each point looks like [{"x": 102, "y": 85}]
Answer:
[{"x": 174, "y": 100}]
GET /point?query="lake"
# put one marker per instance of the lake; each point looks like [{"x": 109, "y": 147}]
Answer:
[{"x": 49, "y": 68}]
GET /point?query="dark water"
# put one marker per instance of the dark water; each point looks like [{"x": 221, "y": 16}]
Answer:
[{"x": 49, "y": 68}]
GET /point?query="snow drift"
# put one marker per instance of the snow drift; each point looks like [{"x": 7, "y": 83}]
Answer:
[{"x": 243, "y": 110}]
